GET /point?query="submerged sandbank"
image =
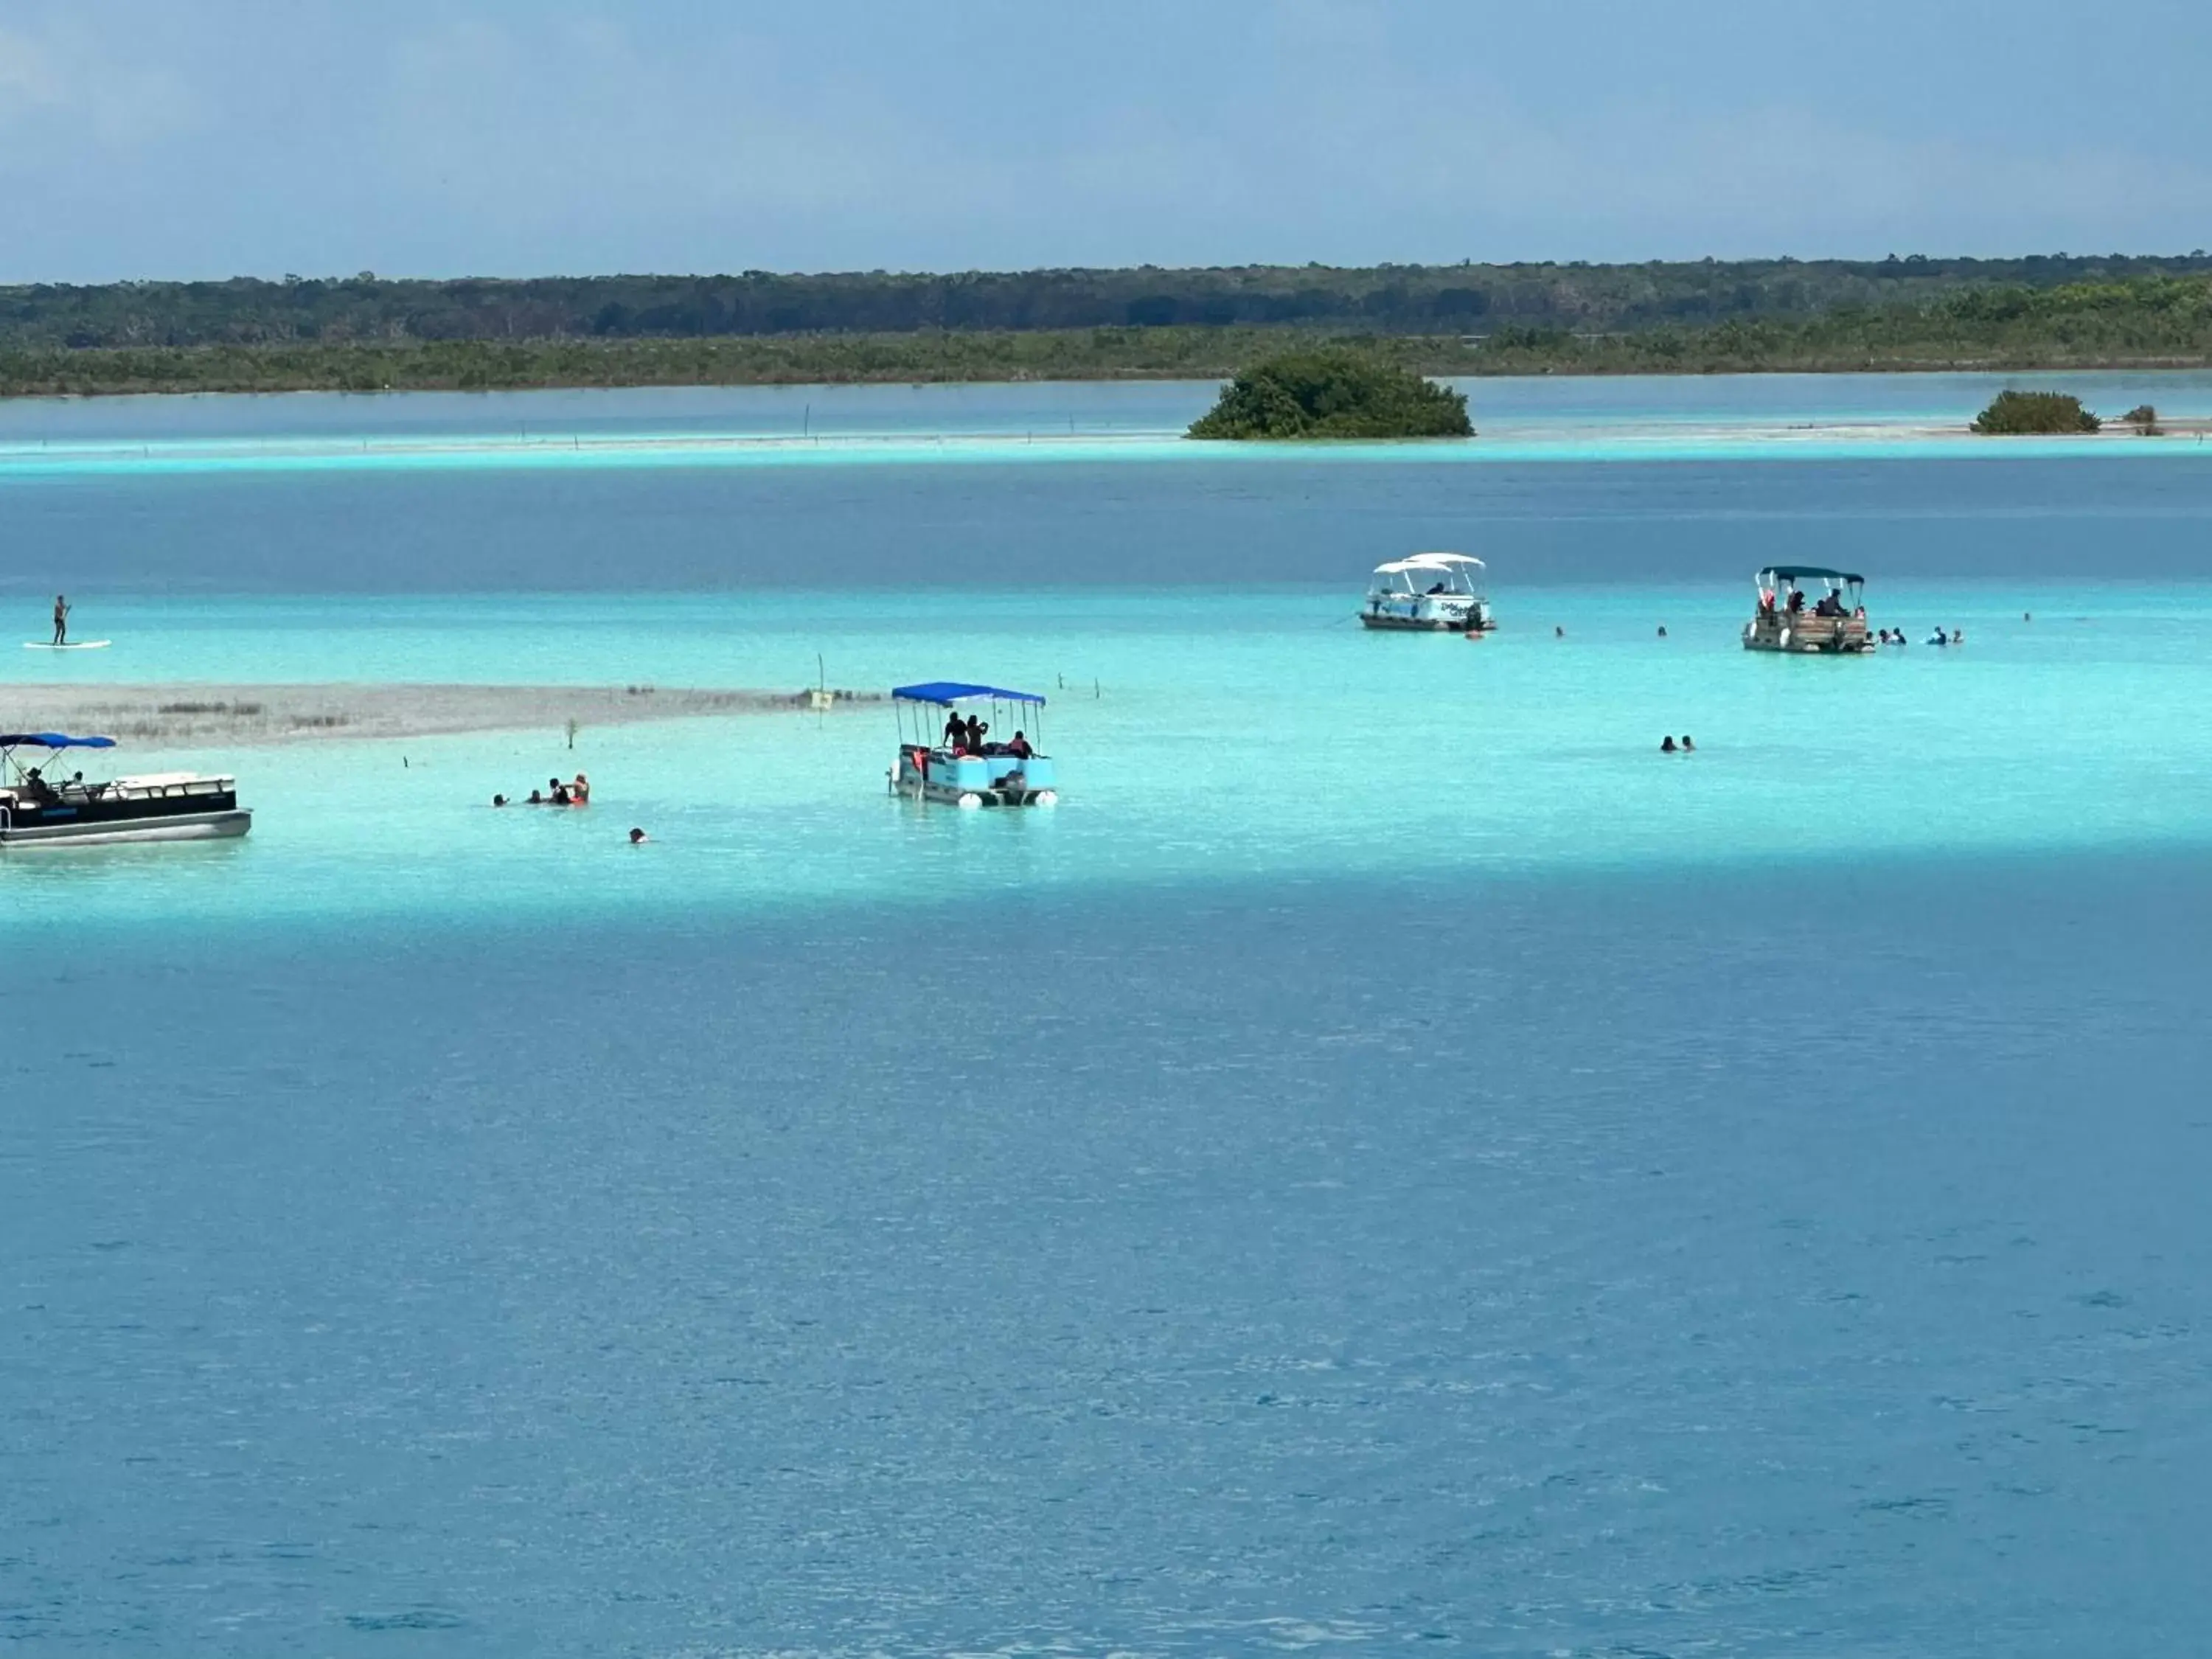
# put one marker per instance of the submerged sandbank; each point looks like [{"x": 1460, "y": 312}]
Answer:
[
  {"x": 1510, "y": 438},
  {"x": 193, "y": 713}
]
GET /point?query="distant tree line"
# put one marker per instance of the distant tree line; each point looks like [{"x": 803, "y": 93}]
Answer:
[
  {"x": 1390, "y": 299},
  {"x": 2156, "y": 321}
]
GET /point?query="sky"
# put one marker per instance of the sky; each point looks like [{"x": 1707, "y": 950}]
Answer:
[{"x": 207, "y": 138}]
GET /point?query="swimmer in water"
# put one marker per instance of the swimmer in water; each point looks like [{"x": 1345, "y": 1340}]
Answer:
[
  {"x": 1687, "y": 746},
  {"x": 1667, "y": 744},
  {"x": 499, "y": 801},
  {"x": 637, "y": 835}
]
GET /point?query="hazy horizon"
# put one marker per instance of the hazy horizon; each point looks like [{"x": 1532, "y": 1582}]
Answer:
[
  {"x": 701, "y": 275},
  {"x": 499, "y": 138}
]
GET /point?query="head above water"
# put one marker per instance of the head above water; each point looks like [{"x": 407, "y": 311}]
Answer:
[{"x": 635, "y": 837}]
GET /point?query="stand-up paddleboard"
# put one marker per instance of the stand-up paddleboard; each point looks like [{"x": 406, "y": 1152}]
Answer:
[{"x": 74, "y": 645}]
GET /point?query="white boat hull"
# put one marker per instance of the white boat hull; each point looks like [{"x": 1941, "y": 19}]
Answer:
[
  {"x": 184, "y": 826},
  {"x": 1383, "y": 619}
]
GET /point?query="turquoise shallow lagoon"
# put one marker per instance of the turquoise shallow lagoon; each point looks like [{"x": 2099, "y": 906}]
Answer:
[
  {"x": 1202, "y": 733},
  {"x": 1392, "y": 1156}
]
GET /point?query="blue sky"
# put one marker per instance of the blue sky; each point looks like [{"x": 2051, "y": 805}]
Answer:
[{"x": 209, "y": 137}]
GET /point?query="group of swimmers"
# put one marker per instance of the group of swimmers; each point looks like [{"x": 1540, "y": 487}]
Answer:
[
  {"x": 576, "y": 793},
  {"x": 555, "y": 793},
  {"x": 1896, "y": 636},
  {"x": 1669, "y": 746}
]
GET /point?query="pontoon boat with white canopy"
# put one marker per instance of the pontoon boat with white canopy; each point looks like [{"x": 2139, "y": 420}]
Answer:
[{"x": 1433, "y": 592}]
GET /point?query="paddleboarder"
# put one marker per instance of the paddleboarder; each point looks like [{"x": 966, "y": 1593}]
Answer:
[{"x": 61, "y": 618}]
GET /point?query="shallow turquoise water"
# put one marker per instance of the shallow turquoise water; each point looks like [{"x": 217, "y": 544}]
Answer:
[
  {"x": 1391, "y": 1158},
  {"x": 1237, "y": 733}
]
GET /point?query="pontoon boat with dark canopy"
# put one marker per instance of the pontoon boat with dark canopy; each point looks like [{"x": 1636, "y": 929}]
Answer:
[{"x": 1833, "y": 624}]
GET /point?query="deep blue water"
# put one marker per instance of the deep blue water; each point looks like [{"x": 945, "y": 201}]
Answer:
[
  {"x": 1438, "y": 1178},
  {"x": 1800, "y": 1261},
  {"x": 1013, "y": 526}
]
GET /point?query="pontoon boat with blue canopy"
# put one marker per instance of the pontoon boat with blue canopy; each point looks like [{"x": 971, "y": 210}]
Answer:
[
  {"x": 971, "y": 761},
  {"x": 38, "y": 810},
  {"x": 1833, "y": 624}
]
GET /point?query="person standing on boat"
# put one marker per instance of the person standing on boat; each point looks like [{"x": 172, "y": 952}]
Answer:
[
  {"x": 956, "y": 731},
  {"x": 61, "y": 618}
]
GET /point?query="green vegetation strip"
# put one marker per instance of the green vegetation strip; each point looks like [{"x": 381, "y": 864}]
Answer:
[{"x": 2156, "y": 322}]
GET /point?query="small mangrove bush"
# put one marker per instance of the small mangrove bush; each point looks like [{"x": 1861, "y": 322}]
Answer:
[
  {"x": 2144, "y": 419},
  {"x": 2015, "y": 414},
  {"x": 1334, "y": 394}
]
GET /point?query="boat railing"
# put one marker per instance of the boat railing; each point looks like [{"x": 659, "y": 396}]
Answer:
[{"x": 170, "y": 788}]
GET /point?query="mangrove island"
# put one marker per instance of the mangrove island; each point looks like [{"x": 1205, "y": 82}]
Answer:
[
  {"x": 1333, "y": 394},
  {"x": 2019, "y": 414}
]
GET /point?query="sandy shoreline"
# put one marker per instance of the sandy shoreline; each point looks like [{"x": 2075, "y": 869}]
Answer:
[{"x": 199, "y": 713}]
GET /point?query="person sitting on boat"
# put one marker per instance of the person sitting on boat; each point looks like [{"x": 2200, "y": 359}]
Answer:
[
  {"x": 1796, "y": 601},
  {"x": 1830, "y": 605},
  {"x": 1019, "y": 748},
  {"x": 1436, "y": 587}
]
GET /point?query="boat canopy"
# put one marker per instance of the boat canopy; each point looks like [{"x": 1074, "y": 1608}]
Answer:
[
  {"x": 946, "y": 692},
  {"x": 52, "y": 740},
  {"x": 1444, "y": 559},
  {"x": 1791, "y": 573}
]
